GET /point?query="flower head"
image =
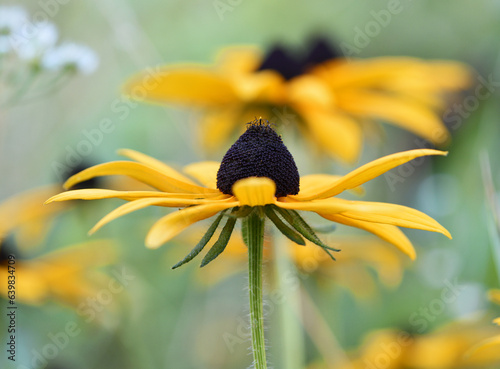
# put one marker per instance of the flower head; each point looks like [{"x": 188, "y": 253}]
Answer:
[
  {"x": 254, "y": 193},
  {"x": 330, "y": 99}
]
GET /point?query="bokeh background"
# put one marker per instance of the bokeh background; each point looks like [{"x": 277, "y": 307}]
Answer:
[{"x": 191, "y": 318}]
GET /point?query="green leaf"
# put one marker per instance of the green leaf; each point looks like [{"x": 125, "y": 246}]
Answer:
[
  {"x": 204, "y": 240},
  {"x": 221, "y": 243},
  {"x": 301, "y": 226},
  {"x": 283, "y": 228}
]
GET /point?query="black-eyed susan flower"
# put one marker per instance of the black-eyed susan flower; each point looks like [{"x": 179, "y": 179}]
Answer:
[
  {"x": 257, "y": 173},
  {"x": 330, "y": 99},
  {"x": 256, "y": 180}
]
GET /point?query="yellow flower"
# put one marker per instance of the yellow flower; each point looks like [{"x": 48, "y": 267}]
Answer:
[
  {"x": 331, "y": 99},
  {"x": 256, "y": 174},
  {"x": 24, "y": 216},
  {"x": 441, "y": 349},
  {"x": 65, "y": 275}
]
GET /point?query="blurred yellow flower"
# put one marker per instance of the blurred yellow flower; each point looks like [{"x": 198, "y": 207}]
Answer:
[
  {"x": 441, "y": 349},
  {"x": 65, "y": 275},
  {"x": 256, "y": 174},
  {"x": 24, "y": 216},
  {"x": 330, "y": 99}
]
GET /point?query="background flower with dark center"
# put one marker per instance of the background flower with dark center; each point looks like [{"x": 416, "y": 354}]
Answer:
[
  {"x": 330, "y": 99},
  {"x": 67, "y": 275},
  {"x": 256, "y": 174}
]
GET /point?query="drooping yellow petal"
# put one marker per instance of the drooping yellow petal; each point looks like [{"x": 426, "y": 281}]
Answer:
[
  {"x": 255, "y": 191},
  {"x": 369, "y": 171},
  {"x": 401, "y": 216},
  {"x": 97, "y": 193},
  {"x": 389, "y": 233},
  {"x": 140, "y": 172},
  {"x": 205, "y": 172},
  {"x": 194, "y": 86},
  {"x": 155, "y": 164},
  {"x": 375, "y": 212},
  {"x": 336, "y": 133},
  {"x": 144, "y": 203},
  {"x": 174, "y": 223},
  {"x": 397, "y": 110}
]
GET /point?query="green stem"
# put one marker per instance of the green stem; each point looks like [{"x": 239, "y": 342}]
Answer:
[{"x": 253, "y": 233}]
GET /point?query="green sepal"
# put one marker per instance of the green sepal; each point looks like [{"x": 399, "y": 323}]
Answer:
[
  {"x": 282, "y": 227},
  {"x": 301, "y": 226},
  {"x": 204, "y": 240},
  {"x": 219, "y": 246}
]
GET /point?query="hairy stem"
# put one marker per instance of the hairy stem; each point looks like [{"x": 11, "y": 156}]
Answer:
[{"x": 253, "y": 233}]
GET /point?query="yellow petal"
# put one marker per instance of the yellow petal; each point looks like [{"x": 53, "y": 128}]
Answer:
[
  {"x": 312, "y": 184},
  {"x": 174, "y": 223},
  {"x": 238, "y": 60},
  {"x": 496, "y": 321},
  {"x": 375, "y": 212},
  {"x": 369, "y": 171},
  {"x": 336, "y": 133},
  {"x": 397, "y": 110},
  {"x": 155, "y": 164},
  {"x": 187, "y": 85},
  {"x": 217, "y": 126},
  {"x": 389, "y": 233},
  {"x": 483, "y": 345},
  {"x": 494, "y": 296},
  {"x": 143, "y": 203},
  {"x": 205, "y": 172},
  {"x": 401, "y": 216},
  {"x": 266, "y": 86},
  {"x": 255, "y": 191},
  {"x": 140, "y": 172},
  {"x": 97, "y": 193},
  {"x": 27, "y": 207},
  {"x": 83, "y": 255},
  {"x": 377, "y": 72}
]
